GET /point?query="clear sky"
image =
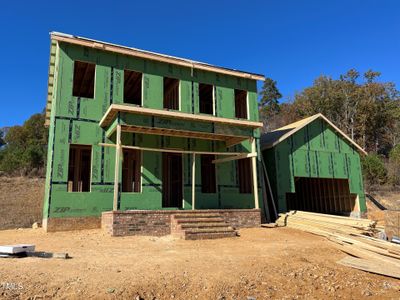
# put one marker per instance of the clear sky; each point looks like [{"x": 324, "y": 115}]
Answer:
[{"x": 292, "y": 42}]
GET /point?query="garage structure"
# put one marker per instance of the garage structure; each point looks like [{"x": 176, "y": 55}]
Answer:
[{"x": 313, "y": 166}]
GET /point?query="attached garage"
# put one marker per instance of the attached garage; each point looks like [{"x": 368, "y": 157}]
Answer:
[{"x": 313, "y": 166}]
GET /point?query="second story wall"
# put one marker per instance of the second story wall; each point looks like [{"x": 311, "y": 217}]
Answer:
[{"x": 110, "y": 70}]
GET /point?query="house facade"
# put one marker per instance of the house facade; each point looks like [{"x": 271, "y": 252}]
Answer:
[{"x": 132, "y": 130}]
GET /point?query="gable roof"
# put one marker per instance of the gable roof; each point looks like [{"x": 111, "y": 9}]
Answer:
[{"x": 273, "y": 138}]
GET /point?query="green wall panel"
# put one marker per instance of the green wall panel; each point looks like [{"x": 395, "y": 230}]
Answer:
[{"x": 315, "y": 151}]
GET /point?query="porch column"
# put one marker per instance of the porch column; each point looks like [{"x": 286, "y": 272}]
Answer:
[
  {"x": 193, "y": 180},
  {"x": 254, "y": 169},
  {"x": 118, "y": 149}
]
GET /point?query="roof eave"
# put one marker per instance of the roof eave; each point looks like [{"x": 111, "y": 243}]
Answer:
[{"x": 61, "y": 37}]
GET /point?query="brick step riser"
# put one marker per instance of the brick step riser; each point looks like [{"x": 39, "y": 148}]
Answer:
[
  {"x": 209, "y": 230},
  {"x": 203, "y": 236},
  {"x": 205, "y": 225},
  {"x": 200, "y": 220}
]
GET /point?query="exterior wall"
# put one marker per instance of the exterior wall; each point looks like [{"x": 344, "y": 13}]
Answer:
[
  {"x": 76, "y": 121},
  {"x": 67, "y": 224},
  {"x": 315, "y": 151},
  {"x": 158, "y": 222}
]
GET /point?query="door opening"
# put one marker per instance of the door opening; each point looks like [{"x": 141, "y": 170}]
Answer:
[{"x": 172, "y": 180}]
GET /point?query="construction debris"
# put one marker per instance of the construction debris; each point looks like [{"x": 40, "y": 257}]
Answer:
[
  {"x": 28, "y": 250},
  {"x": 352, "y": 236},
  {"x": 15, "y": 249}
]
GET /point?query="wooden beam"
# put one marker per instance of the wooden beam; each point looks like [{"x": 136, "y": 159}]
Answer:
[
  {"x": 118, "y": 150},
  {"x": 115, "y": 108},
  {"x": 179, "y": 133},
  {"x": 193, "y": 181},
  {"x": 172, "y": 150},
  {"x": 234, "y": 157},
  {"x": 254, "y": 170}
]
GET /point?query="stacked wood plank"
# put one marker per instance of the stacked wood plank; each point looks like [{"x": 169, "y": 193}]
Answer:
[{"x": 353, "y": 236}]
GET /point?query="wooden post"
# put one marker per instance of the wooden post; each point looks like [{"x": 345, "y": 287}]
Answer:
[
  {"x": 254, "y": 169},
  {"x": 118, "y": 150},
  {"x": 193, "y": 180}
]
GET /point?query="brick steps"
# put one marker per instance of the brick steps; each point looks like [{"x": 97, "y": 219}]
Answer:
[{"x": 200, "y": 225}]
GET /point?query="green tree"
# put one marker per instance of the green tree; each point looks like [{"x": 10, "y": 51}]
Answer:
[
  {"x": 374, "y": 170},
  {"x": 394, "y": 166},
  {"x": 1, "y": 138},
  {"x": 26, "y": 148},
  {"x": 269, "y": 102}
]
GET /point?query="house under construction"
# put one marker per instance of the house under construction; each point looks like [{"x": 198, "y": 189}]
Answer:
[{"x": 140, "y": 140}]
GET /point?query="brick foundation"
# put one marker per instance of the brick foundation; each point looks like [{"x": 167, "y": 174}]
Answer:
[
  {"x": 158, "y": 222},
  {"x": 66, "y": 224}
]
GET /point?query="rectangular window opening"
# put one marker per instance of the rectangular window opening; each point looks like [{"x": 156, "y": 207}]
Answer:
[
  {"x": 241, "y": 104},
  {"x": 80, "y": 157},
  {"x": 131, "y": 174},
  {"x": 208, "y": 178},
  {"x": 171, "y": 93},
  {"x": 206, "y": 98},
  {"x": 84, "y": 74},
  {"x": 245, "y": 176},
  {"x": 132, "y": 87}
]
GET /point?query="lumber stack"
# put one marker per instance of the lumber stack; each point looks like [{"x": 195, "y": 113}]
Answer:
[{"x": 352, "y": 236}]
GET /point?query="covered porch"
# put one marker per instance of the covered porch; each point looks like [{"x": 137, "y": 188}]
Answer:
[{"x": 130, "y": 119}]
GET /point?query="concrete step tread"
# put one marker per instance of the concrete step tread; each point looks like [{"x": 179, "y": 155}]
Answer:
[
  {"x": 198, "y": 215},
  {"x": 200, "y": 220}
]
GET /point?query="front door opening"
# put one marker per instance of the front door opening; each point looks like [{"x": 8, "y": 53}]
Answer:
[
  {"x": 321, "y": 195},
  {"x": 172, "y": 180}
]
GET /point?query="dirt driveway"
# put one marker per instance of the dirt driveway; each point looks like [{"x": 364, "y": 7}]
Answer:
[{"x": 263, "y": 263}]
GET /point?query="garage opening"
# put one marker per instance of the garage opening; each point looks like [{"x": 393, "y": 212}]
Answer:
[{"x": 321, "y": 195}]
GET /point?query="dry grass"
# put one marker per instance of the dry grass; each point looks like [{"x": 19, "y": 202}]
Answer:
[{"x": 21, "y": 201}]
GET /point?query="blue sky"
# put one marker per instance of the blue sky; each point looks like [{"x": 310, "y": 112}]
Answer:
[{"x": 292, "y": 42}]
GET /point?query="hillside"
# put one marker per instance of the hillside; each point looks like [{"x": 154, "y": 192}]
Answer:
[{"x": 21, "y": 201}]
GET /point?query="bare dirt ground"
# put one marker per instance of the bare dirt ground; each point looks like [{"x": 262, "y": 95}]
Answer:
[
  {"x": 279, "y": 263},
  {"x": 21, "y": 201}
]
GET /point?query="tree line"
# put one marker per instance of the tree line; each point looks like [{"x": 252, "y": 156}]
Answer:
[
  {"x": 23, "y": 149},
  {"x": 366, "y": 109}
]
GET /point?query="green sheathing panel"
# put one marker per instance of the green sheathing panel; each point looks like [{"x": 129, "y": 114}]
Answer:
[
  {"x": 315, "y": 151},
  {"x": 75, "y": 120}
]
